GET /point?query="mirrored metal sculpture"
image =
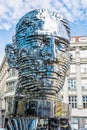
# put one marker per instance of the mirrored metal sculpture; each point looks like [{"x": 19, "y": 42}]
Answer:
[{"x": 41, "y": 55}]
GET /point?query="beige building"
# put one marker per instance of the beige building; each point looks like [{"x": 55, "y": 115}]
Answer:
[
  {"x": 8, "y": 80},
  {"x": 3, "y": 77},
  {"x": 74, "y": 91}
]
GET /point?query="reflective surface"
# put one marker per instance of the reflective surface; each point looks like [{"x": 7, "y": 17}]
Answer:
[
  {"x": 43, "y": 109},
  {"x": 27, "y": 123},
  {"x": 40, "y": 52}
]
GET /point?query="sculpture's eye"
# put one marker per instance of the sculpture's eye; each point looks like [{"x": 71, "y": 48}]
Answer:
[
  {"x": 46, "y": 40},
  {"x": 61, "y": 46}
]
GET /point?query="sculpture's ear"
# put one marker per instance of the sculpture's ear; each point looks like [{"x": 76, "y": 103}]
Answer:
[{"x": 11, "y": 54}]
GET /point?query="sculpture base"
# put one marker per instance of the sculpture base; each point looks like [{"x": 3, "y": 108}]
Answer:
[
  {"x": 40, "y": 114},
  {"x": 39, "y": 108}
]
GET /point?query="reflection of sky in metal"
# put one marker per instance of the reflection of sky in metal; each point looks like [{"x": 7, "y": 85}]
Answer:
[
  {"x": 43, "y": 22},
  {"x": 33, "y": 124}
]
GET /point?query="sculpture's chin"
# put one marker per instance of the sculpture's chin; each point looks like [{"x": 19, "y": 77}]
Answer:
[{"x": 46, "y": 87}]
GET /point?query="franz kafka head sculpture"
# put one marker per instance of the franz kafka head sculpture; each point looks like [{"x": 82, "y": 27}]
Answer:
[{"x": 40, "y": 53}]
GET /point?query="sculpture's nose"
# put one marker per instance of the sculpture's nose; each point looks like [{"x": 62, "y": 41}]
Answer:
[{"x": 52, "y": 50}]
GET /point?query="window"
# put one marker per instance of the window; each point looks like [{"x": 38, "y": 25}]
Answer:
[
  {"x": 72, "y": 69},
  {"x": 11, "y": 85},
  {"x": 84, "y": 84},
  {"x": 12, "y": 72},
  {"x": 84, "y": 68},
  {"x": 84, "y": 101},
  {"x": 71, "y": 84},
  {"x": 73, "y": 101},
  {"x": 83, "y": 53}
]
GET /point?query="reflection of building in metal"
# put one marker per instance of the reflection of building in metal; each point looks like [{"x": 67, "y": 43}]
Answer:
[
  {"x": 58, "y": 124},
  {"x": 22, "y": 124},
  {"x": 38, "y": 124},
  {"x": 62, "y": 109},
  {"x": 53, "y": 123}
]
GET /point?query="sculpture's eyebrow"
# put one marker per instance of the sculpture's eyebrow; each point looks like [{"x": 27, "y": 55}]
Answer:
[{"x": 34, "y": 37}]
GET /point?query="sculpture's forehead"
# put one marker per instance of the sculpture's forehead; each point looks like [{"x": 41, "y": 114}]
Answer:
[
  {"x": 43, "y": 22},
  {"x": 39, "y": 14}
]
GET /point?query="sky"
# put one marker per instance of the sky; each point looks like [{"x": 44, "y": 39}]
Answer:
[{"x": 11, "y": 11}]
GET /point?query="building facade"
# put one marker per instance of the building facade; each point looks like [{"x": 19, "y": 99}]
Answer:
[
  {"x": 3, "y": 77},
  {"x": 8, "y": 80},
  {"x": 74, "y": 91}
]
